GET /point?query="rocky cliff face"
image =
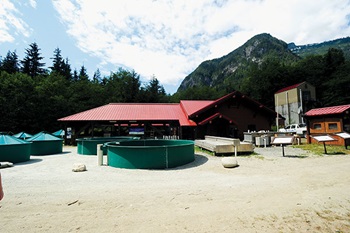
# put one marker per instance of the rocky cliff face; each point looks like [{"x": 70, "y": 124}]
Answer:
[{"x": 231, "y": 67}]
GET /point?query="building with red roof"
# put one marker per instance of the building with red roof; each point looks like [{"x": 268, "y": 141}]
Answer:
[
  {"x": 293, "y": 101},
  {"x": 228, "y": 116},
  {"x": 329, "y": 120}
]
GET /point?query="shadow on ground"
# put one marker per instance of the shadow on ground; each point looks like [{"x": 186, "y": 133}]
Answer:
[{"x": 198, "y": 161}]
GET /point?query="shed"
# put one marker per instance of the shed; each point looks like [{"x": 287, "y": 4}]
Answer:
[{"x": 329, "y": 120}]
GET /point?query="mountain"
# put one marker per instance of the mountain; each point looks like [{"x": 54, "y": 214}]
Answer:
[
  {"x": 230, "y": 70},
  {"x": 232, "y": 67},
  {"x": 322, "y": 48}
]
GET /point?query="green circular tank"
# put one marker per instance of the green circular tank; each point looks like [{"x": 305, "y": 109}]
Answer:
[
  {"x": 45, "y": 144},
  {"x": 88, "y": 146},
  {"x": 14, "y": 150},
  {"x": 150, "y": 154}
]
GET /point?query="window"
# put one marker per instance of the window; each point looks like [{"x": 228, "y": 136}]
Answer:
[
  {"x": 317, "y": 126},
  {"x": 332, "y": 126}
]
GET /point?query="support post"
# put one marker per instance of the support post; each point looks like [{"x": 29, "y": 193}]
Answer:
[{"x": 99, "y": 155}]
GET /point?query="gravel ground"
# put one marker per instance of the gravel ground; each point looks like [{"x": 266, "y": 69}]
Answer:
[{"x": 266, "y": 193}]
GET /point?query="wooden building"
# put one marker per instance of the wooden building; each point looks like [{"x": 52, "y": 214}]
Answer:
[
  {"x": 328, "y": 121},
  {"x": 228, "y": 116}
]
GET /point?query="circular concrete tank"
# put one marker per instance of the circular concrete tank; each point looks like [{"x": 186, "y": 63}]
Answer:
[
  {"x": 14, "y": 150},
  {"x": 150, "y": 154}
]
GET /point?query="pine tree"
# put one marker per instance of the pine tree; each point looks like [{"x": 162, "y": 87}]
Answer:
[
  {"x": 31, "y": 64},
  {"x": 61, "y": 66},
  {"x": 83, "y": 74},
  {"x": 97, "y": 76},
  {"x": 66, "y": 69},
  {"x": 58, "y": 62},
  {"x": 75, "y": 75},
  {"x": 10, "y": 63}
]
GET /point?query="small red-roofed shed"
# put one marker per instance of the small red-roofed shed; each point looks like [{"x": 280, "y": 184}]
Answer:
[{"x": 329, "y": 120}]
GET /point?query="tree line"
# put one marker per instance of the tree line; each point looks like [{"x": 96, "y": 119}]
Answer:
[{"x": 32, "y": 97}]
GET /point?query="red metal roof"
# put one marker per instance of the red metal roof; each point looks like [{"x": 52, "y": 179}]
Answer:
[
  {"x": 328, "y": 110},
  {"x": 289, "y": 88},
  {"x": 225, "y": 98},
  {"x": 136, "y": 112},
  {"x": 191, "y": 106}
]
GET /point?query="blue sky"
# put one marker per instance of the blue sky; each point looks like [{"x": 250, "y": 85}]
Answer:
[{"x": 167, "y": 39}]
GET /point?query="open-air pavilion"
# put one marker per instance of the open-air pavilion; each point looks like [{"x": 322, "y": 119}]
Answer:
[{"x": 228, "y": 116}]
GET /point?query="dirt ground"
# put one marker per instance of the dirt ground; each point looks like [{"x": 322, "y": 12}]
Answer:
[{"x": 266, "y": 193}]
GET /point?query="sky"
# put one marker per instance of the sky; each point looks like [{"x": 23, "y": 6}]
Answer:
[{"x": 165, "y": 39}]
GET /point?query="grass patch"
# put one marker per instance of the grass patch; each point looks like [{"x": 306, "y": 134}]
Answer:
[
  {"x": 199, "y": 149},
  {"x": 253, "y": 155},
  {"x": 318, "y": 149}
]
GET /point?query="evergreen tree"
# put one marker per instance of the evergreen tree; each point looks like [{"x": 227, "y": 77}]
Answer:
[
  {"x": 83, "y": 76},
  {"x": 10, "y": 63},
  {"x": 31, "y": 64},
  {"x": 75, "y": 75},
  {"x": 97, "y": 76},
  {"x": 154, "y": 92},
  {"x": 130, "y": 82},
  {"x": 333, "y": 59},
  {"x": 58, "y": 62},
  {"x": 61, "y": 66},
  {"x": 66, "y": 69}
]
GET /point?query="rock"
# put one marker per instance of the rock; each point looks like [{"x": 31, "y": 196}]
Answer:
[
  {"x": 79, "y": 167},
  {"x": 229, "y": 162},
  {"x": 6, "y": 164}
]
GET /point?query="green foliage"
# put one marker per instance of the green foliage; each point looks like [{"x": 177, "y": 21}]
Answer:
[
  {"x": 197, "y": 93},
  {"x": 322, "y": 48},
  {"x": 10, "y": 63},
  {"x": 32, "y": 99},
  {"x": 154, "y": 92},
  {"x": 35, "y": 103},
  {"x": 31, "y": 64},
  {"x": 318, "y": 149}
]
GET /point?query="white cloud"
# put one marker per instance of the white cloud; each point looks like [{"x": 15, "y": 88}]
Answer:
[
  {"x": 169, "y": 38},
  {"x": 32, "y": 3},
  {"x": 11, "y": 23}
]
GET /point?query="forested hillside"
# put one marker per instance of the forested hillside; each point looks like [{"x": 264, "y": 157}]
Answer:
[
  {"x": 32, "y": 98},
  {"x": 322, "y": 48},
  {"x": 262, "y": 66}
]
